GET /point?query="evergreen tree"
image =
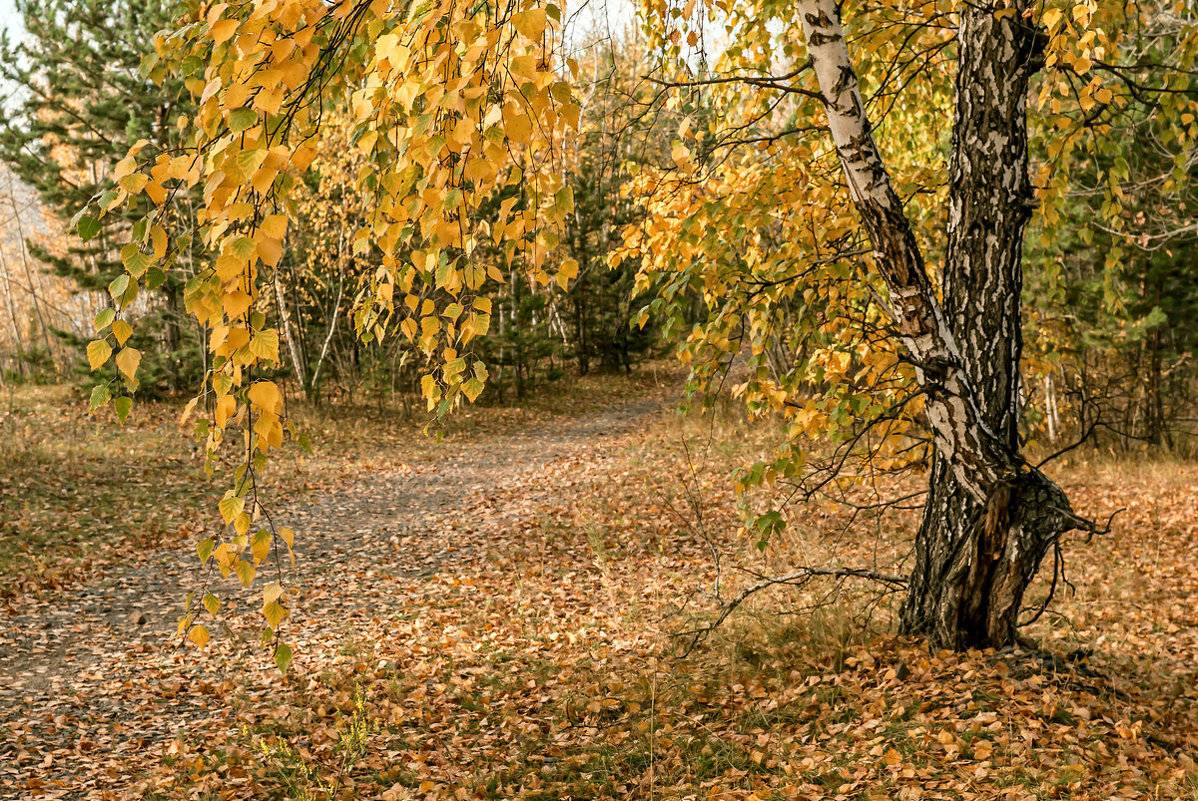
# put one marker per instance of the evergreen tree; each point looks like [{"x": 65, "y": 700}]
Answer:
[
  {"x": 82, "y": 99},
  {"x": 1114, "y": 298}
]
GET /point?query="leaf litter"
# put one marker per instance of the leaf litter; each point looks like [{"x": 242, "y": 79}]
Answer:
[{"x": 496, "y": 620}]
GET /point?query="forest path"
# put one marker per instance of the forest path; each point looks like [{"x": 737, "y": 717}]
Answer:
[{"x": 92, "y": 680}]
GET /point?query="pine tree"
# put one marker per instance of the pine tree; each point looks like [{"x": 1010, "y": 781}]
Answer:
[{"x": 82, "y": 101}]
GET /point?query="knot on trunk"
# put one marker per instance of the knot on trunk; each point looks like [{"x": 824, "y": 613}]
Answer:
[{"x": 1032, "y": 41}]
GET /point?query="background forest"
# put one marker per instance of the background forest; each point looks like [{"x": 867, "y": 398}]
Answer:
[
  {"x": 1112, "y": 348},
  {"x": 560, "y": 402}
]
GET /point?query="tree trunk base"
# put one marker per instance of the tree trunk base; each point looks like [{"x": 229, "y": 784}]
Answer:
[{"x": 973, "y": 561}]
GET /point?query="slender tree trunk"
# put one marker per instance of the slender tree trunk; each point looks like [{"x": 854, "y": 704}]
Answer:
[
  {"x": 297, "y": 363},
  {"x": 9, "y": 298},
  {"x": 990, "y": 517},
  {"x": 1158, "y": 430},
  {"x": 34, "y": 284},
  {"x": 314, "y": 390}
]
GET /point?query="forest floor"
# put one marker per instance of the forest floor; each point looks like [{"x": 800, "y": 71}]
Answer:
[{"x": 497, "y": 615}]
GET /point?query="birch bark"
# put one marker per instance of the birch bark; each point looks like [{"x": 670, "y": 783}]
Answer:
[{"x": 990, "y": 517}]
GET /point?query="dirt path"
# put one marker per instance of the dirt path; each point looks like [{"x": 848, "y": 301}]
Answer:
[{"x": 90, "y": 680}]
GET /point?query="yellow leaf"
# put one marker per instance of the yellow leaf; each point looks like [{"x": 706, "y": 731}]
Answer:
[
  {"x": 263, "y": 179},
  {"x": 269, "y": 250},
  {"x": 179, "y": 167},
  {"x": 302, "y": 157},
  {"x": 199, "y": 635},
  {"x": 265, "y": 395},
  {"x": 571, "y": 113},
  {"x": 121, "y": 330},
  {"x": 531, "y": 24},
  {"x": 272, "y": 592},
  {"x": 274, "y": 226},
  {"x": 275, "y": 613},
  {"x": 268, "y": 101},
  {"x": 133, "y": 183},
  {"x": 223, "y": 30},
  {"x": 226, "y": 405},
  {"x": 123, "y": 167},
  {"x": 236, "y": 303},
  {"x": 265, "y": 345},
  {"x": 229, "y": 267},
  {"x": 188, "y": 410},
  {"x": 98, "y": 352},
  {"x": 260, "y": 545},
  {"x": 681, "y": 155},
  {"x": 127, "y": 361},
  {"x": 479, "y": 169},
  {"x": 211, "y": 603},
  {"x": 231, "y": 506},
  {"x": 517, "y": 125},
  {"x": 156, "y": 193},
  {"x": 245, "y": 572},
  {"x": 159, "y": 238}
]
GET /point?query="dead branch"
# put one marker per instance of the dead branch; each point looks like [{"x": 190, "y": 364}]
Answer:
[{"x": 796, "y": 578}]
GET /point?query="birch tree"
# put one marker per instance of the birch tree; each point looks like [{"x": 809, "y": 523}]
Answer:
[{"x": 894, "y": 276}]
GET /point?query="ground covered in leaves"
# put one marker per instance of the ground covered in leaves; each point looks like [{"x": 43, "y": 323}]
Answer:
[{"x": 505, "y": 613}]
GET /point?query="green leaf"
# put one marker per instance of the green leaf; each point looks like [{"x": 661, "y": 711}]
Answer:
[
  {"x": 118, "y": 287},
  {"x": 242, "y": 119},
  {"x": 88, "y": 228},
  {"x": 211, "y": 603},
  {"x": 123, "y": 405},
  {"x": 282, "y": 656},
  {"x": 104, "y": 319},
  {"x": 100, "y": 396},
  {"x": 204, "y": 549},
  {"x": 154, "y": 278},
  {"x": 134, "y": 260}
]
